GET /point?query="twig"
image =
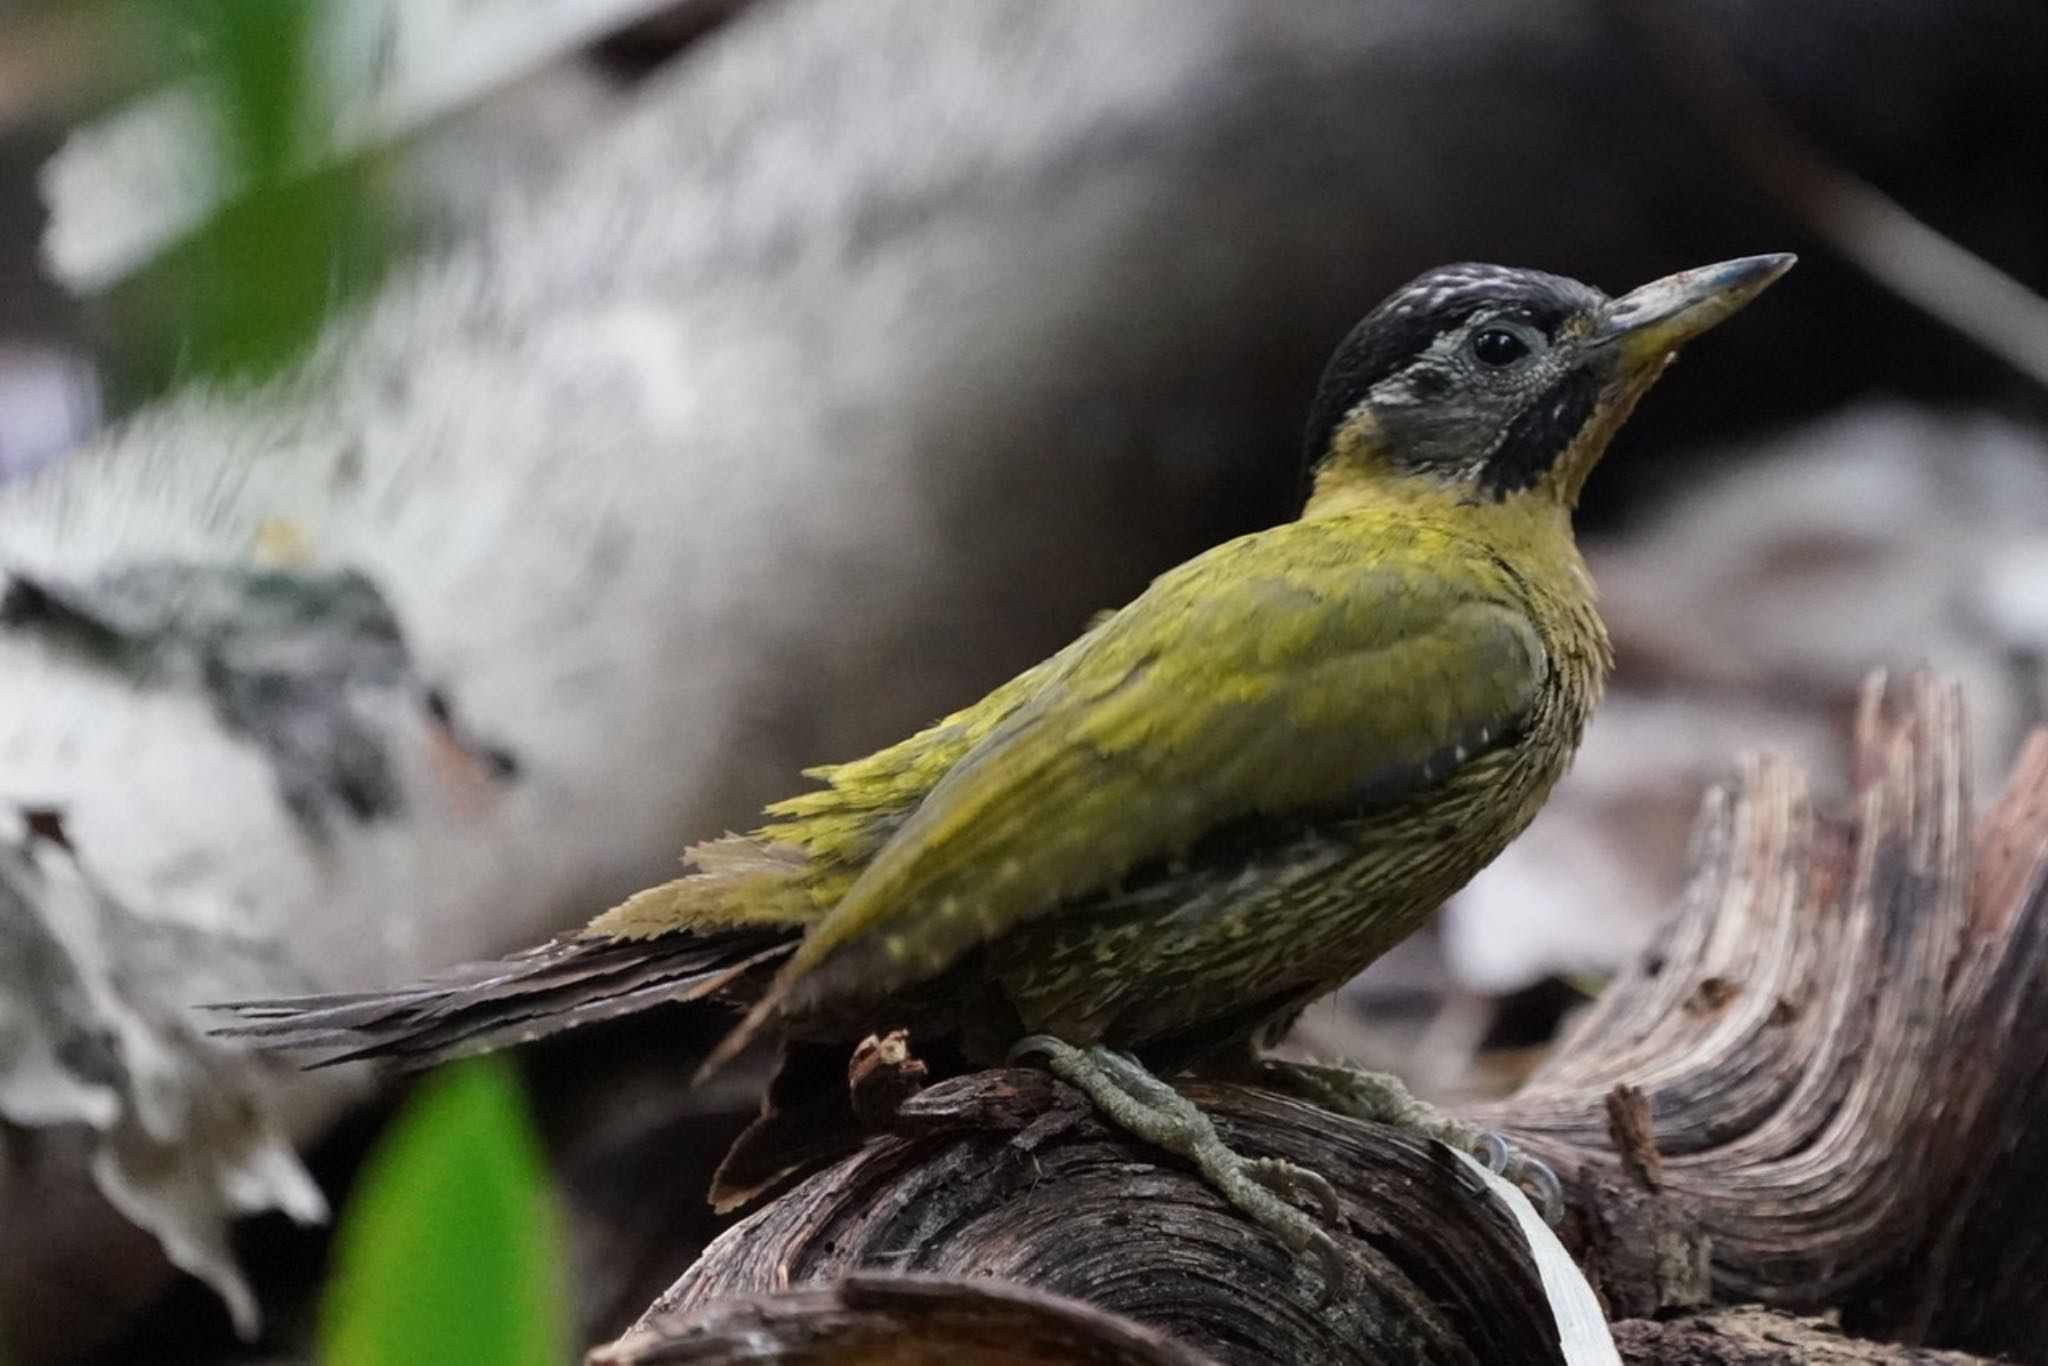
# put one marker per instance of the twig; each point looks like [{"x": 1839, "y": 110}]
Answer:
[{"x": 1927, "y": 269}]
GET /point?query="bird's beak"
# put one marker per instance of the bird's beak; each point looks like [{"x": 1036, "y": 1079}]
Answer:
[{"x": 1650, "y": 323}]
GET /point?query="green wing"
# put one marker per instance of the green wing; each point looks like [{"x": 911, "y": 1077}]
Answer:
[
  {"x": 796, "y": 868},
  {"x": 842, "y": 824},
  {"x": 1279, "y": 674}
]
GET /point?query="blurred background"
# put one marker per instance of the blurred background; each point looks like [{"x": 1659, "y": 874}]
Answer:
[{"x": 454, "y": 454}]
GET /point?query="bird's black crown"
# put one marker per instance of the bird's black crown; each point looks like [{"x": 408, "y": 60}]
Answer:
[{"x": 1401, "y": 331}]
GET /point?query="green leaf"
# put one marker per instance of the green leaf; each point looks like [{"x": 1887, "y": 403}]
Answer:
[
  {"x": 450, "y": 1250},
  {"x": 247, "y": 291}
]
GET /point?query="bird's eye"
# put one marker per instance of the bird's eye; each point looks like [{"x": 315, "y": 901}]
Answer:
[{"x": 1497, "y": 346}]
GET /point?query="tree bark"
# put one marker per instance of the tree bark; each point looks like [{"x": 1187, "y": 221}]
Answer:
[
  {"x": 904, "y": 1319},
  {"x": 931, "y": 1321},
  {"x": 1813, "y": 1094},
  {"x": 1750, "y": 1335}
]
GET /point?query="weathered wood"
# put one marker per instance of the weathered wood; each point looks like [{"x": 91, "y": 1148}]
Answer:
[
  {"x": 1753, "y": 1336},
  {"x": 901, "y": 1321},
  {"x": 885, "y": 1320},
  {"x": 1833, "y": 1039},
  {"x": 1008, "y": 1174},
  {"x": 1814, "y": 1092}
]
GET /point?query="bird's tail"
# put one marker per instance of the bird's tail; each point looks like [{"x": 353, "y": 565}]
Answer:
[{"x": 571, "y": 981}]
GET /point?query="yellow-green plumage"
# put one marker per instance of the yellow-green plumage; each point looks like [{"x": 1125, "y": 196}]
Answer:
[
  {"x": 1221, "y": 800},
  {"x": 1300, "y": 678},
  {"x": 1285, "y": 692}
]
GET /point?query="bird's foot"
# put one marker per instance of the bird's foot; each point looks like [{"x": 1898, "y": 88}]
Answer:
[
  {"x": 1263, "y": 1189},
  {"x": 1382, "y": 1098}
]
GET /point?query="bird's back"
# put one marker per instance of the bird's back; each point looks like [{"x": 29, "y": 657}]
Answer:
[{"x": 1263, "y": 915}]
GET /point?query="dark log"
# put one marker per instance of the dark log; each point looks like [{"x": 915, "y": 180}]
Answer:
[
  {"x": 885, "y": 1320},
  {"x": 901, "y": 1321},
  {"x": 1814, "y": 1093},
  {"x": 1838, "y": 1041},
  {"x": 1008, "y": 1174},
  {"x": 1750, "y": 1335}
]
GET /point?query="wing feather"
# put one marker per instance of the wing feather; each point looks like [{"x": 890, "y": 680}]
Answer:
[{"x": 1229, "y": 690}]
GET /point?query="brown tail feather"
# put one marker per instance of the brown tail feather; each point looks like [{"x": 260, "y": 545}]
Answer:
[{"x": 483, "y": 1006}]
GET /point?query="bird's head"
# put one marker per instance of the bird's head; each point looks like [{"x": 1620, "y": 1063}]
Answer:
[{"x": 1494, "y": 384}]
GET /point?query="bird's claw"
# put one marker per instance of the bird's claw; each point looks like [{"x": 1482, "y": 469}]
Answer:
[
  {"x": 1533, "y": 1175},
  {"x": 1333, "y": 1263},
  {"x": 1036, "y": 1046},
  {"x": 1286, "y": 1181},
  {"x": 1537, "y": 1178},
  {"x": 1263, "y": 1189},
  {"x": 1383, "y": 1099},
  {"x": 1290, "y": 1180}
]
